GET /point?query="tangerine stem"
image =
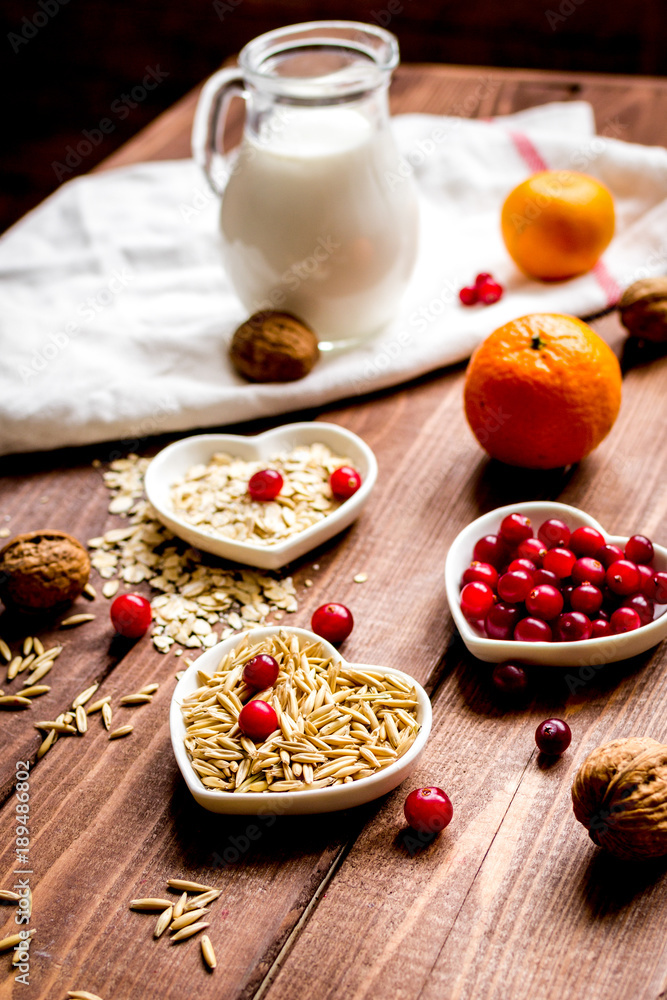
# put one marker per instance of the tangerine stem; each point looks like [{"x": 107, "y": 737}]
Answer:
[{"x": 536, "y": 342}]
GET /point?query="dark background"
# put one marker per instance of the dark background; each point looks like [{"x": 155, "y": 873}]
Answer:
[{"x": 66, "y": 66}]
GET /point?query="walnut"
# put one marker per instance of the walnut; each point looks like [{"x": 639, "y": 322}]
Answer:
[
  {"x": 42, "y": 570},
  {"x": 273, "y": 347},
  {"x": 620, "y": 795},
  {"x": 643, "y": 308}
]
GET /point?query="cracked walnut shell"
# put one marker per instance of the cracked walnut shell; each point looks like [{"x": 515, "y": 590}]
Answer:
[
  {"x": 42, "y": 570},
  {"x": 643, "y": 309},
  {"x": 273, "y": 347},
  {"x": 620, "y": 796}
]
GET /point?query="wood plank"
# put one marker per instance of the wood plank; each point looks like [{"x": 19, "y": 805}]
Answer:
[
  {"x": 512, "y": 900},
  {"x": 433, "y": 480},
  {"x": 111, "y": 821},
  {"x": 639, "y": 103}
]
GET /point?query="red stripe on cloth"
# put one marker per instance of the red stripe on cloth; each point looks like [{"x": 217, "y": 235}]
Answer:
[
  {"x": 535, "y": 161},
  {"x": 528, "y": 151},
  {"x": 608, "y": 284}
]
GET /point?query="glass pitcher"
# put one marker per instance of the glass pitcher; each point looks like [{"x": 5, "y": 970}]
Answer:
[{"x": 316, "y": 219}]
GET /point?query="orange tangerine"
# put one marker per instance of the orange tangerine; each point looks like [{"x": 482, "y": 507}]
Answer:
[
  {"x": 557, "y": 224},
  {"x": 542, "y": 391}
]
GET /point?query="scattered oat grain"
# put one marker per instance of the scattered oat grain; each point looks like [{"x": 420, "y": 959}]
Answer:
[
  {"x": 75, "y": 620},
  {"x": 184, "y": 885},
  {"x": 121, "y": 731},
  {"x": 150, "y": 903},
  {"x": 207, "y": 952},
  {"x": 163, "y": 921},
  {"x": 188, "y": 932}
]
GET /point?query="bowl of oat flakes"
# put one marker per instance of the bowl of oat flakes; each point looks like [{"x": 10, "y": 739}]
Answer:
[
  {"x": 347, "y": 733},
  {"x": 199, "y": 489}
]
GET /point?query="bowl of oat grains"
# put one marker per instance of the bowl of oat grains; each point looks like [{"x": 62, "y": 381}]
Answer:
[
  {"x": 322, "y": 735},
  {"x": 263, "y": 500}
]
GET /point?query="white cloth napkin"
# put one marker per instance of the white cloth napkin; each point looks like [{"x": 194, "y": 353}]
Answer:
[{"x": 115, "y": 311}]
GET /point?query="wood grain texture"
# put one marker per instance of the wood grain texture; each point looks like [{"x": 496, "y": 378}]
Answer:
[{"x": 512, "y": 901}]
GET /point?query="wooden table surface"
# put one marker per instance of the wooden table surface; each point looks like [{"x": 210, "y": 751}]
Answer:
[{"x": 512, "y": 901}]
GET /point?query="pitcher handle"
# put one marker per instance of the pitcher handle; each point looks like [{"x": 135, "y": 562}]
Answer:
[{"x": 208, "y": 127}]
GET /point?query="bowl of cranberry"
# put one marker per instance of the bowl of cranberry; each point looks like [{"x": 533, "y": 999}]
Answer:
[{"x": 542, "y": 582}]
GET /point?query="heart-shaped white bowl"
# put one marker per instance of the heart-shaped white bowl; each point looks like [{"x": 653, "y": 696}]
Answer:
[
  {"x": 591, "y": 652},
  {"x": 318, "y": 800},
  {"x": 175, "y": 460}
]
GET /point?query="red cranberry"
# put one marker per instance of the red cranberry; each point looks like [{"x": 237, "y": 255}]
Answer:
[
  {"x": 482, "y": 277},
  {"x": 261, "y": 672},
  {"x": 623, "y": 577},
  {"x": 533, "y": 630},
  {"x": 553, "y": 736},
  {"x": 560, "y": 561},
  {"x": 544, "y": 602},
  {"x": 478, "y": 572},
  {"x": 533, "y": 549},
  {"x": 586, "y": 598},
  {"x": 501, "y": 620},
  {"x": 509, "y": 678},
  {"x": 515, "y": 528},
  {"x": 646, "y": 580},
  {"x": 489, "y": 292},
  {"x": 490, "y": 549},
  {"x": 586, "y": 541},
  {"x": 554, "y": 533},
  {"x": 265, "y": 485},
  {"x": 131, "y": 615},
  {"x": 334, "y": 622},
  {"x": 608, "y": 554},
  {"x": 526, "y": 564},
  {"x": 546, "y": 576},
  {"x": 572, "y": 627},
  {"x": 257, "y": 720},
  {"x": 468, "y": 295},
  {"x": 642, "y": 605},
  {"x": 660, "y": 587},
  {"x": 600, "y": 628},
  {"x": 515, "y": 586},
  {"x": 624, "y": 620},
  {"x": 344, "y": 482},
  {"x": 476, "y": 599},
  {"x": 428, "y": 810},
  {"x": 587, "y": 570},
  {"x": 639, "y": 549}
]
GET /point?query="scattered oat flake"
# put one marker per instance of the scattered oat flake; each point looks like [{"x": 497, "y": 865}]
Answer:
[
  {"x": 361, "y": 578},
  {"x": 194, "y": 593},
  {"x": 4, "y": 532}
]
